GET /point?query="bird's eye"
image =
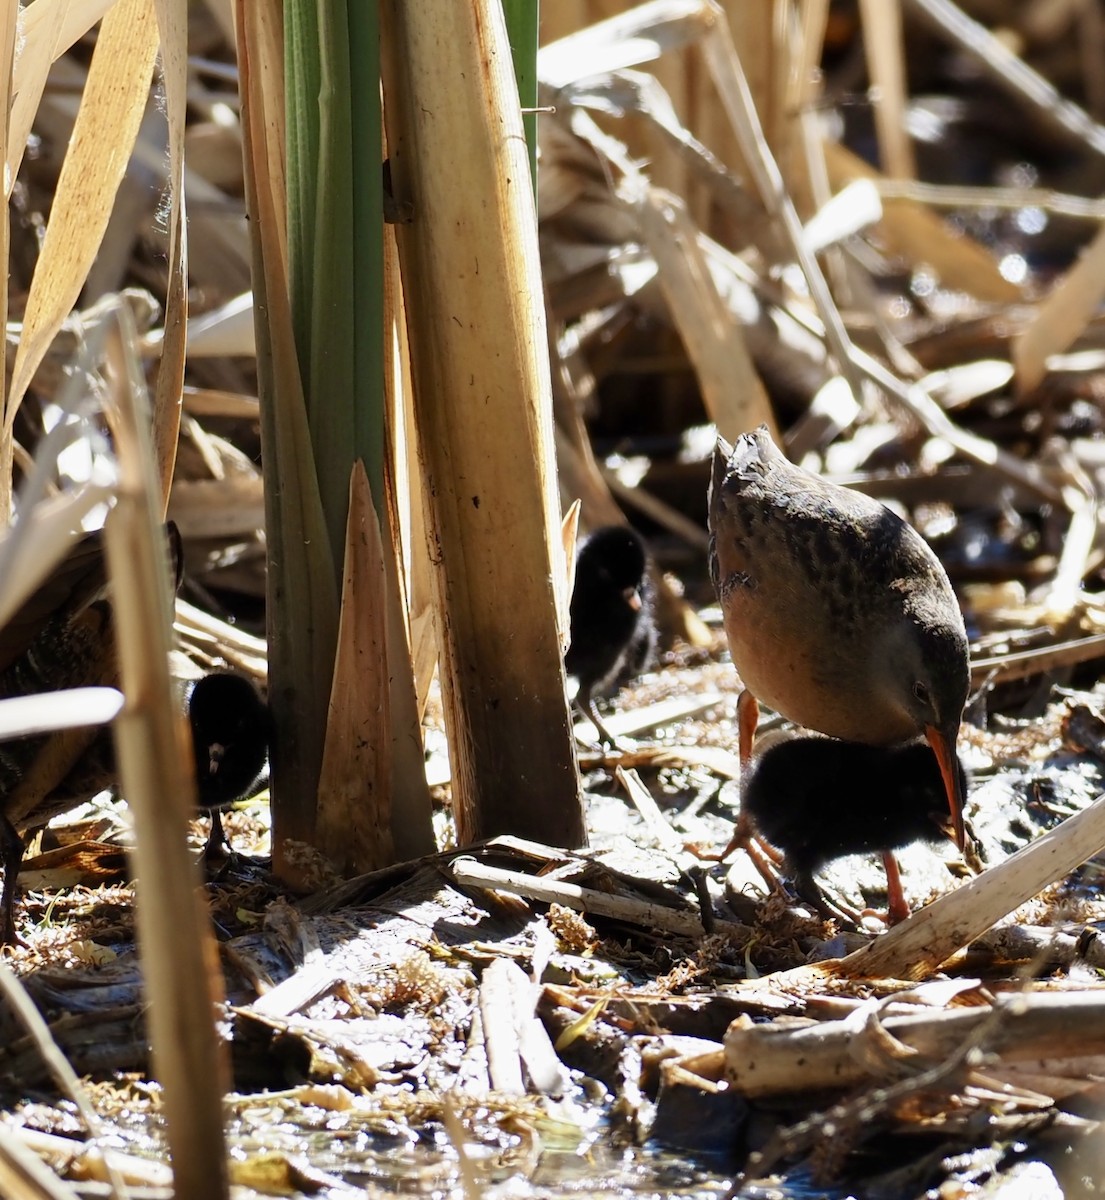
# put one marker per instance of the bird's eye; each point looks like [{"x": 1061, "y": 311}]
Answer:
[{"x": 920, "y": 693}]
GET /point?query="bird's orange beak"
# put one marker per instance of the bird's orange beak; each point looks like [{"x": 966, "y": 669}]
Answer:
[{"x": 942, "y": 742}]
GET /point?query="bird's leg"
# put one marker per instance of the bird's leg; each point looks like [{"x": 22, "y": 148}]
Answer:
[
  {"x": 11, "y": 854},
  {"x": 217, "y": 844},
  {"x": 748, "y": 717},
  {"x": 757, "y": 850},
  {"x": 761, "y": 854},
  {"x": 971, "y": 853},
  {"x": 897, "y": 908},
  {"x": 590, "y": 710}
]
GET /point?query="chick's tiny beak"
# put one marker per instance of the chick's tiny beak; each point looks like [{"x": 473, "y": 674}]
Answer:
[
  {"x": 942, "y": 742},
  {"x": 215, "y": 753},
  {"x": 633, "y": 598}
]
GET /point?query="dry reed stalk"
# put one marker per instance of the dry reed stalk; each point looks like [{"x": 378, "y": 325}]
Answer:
[
  {"x": 8, "y": 27},
  {"x": 882, "y": 44},
  {"x": 179, "y": 958},
  {"x": 172, "y": 21},
  {"x": 473, "y": 296}
]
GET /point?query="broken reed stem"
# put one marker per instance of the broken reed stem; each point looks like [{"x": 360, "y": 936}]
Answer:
[
  {"x": 471, "y": 283},
  {"x": 179, "y": 959}
]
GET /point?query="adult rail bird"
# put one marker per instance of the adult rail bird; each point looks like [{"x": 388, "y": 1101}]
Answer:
[
  {"x": 838, "y": 614},
  {"x": 62, "y": 636}
]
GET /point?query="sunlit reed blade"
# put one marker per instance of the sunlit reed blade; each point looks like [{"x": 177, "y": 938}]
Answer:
[{"x": 28, "y": 716}]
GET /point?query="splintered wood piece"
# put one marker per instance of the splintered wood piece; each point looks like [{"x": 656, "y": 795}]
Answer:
[
  {"x": 763, "y": 1060},
  {"x": 932, "y": 934}
]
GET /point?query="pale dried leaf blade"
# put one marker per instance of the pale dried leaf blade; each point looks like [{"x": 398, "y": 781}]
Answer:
[
  {"x": 45, "y": 712},
  {"x": 172, "y": 25},
  {"x": 224, "y": 331},
  {"x": 74, "y": 18},
  {"x": 1062, "y": 316},
  {"x": 569, "y": 533},
  {"x": 354, "y": 806},
  {"x": 847, "y": 213},
  {"x": 39, "y": 541},
  {"x": 641, "y": 35},
  {"x": 114, "y": 100},
  {"x": 36, "y": 48},
  {"x": 407, "y": 501}
]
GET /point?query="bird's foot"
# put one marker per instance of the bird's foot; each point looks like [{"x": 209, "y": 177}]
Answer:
[{"x": 606, "y": 741}]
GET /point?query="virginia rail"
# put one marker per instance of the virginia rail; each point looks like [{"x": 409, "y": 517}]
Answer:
[
  {"x": 838, "y": 614},
  {"x": 817, "y": 799},
  {"x": 61, "y": 637},
  {"x": 230, "y": 726},
  {"x": 612, "y": 626}
]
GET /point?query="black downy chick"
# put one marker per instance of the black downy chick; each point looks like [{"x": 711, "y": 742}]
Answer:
[
  {"x": 817, "y": 799},
  {"x": 231, "y": 728},
  {"x": 613, "y": 628}
]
